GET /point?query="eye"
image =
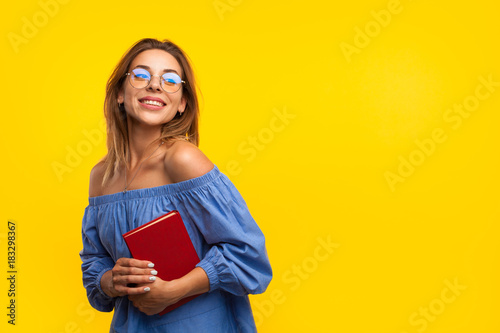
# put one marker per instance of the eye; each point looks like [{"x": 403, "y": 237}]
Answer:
[
  {"x": 171, "y": 78},
  {"x": 141, "y": 74}
]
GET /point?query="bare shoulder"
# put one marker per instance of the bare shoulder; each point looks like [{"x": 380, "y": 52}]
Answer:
[
  {"x": 96, "y": 175},
  {"x": 184, "y": 161}
]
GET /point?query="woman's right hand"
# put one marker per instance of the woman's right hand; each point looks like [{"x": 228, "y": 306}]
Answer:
[{"x": 127, "y": 273}]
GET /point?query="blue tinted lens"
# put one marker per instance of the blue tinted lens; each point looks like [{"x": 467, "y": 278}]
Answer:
[
  {"x": 141, "y": 73},
  {"x": 171, "y": 78}
]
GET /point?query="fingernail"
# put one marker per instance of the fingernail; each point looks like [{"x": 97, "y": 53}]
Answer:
[
  {"x": 153, "y": 272},
  {"x": 152, "y": 278},
  {"x": 147, "y": 289},
  {"x": 151, "y": 265}
]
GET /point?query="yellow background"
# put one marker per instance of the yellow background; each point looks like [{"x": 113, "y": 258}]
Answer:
[{"x": 319, "y": 175}]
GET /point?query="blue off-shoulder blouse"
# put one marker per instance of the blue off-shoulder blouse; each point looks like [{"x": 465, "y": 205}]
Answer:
[{"x": 227, "y": 239}]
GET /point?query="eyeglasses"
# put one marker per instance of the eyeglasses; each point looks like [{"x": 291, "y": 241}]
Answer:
[{"x": 140, "y": 78}]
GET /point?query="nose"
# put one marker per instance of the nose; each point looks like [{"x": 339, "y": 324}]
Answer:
[{"x": 154, "y": 84}]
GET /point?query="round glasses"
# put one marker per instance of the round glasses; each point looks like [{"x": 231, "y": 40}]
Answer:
[{"x": 140, "y": 78}]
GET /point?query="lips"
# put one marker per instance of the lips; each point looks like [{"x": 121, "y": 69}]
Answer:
[{"x": 155, "y": 101}]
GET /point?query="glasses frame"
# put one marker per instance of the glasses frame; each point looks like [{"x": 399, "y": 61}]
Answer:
[{"x": 151, "y": 78}]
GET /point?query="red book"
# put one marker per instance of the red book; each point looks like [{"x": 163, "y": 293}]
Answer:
[{"x": 165, "y": 242}]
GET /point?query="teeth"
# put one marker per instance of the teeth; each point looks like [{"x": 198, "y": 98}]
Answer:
[{"x": 156, "y": 103}]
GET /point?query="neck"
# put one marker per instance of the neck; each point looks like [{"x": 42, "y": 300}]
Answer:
[{"x": 141, "y": 137}]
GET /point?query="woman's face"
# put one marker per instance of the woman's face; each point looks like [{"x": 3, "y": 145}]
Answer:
[{"x": 139, "y": 103}]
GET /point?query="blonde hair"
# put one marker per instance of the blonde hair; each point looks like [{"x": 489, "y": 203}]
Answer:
[{"x": 183, "y": 126}]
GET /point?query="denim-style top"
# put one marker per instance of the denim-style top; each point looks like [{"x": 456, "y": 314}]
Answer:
[{"x": 227, "y": 239}]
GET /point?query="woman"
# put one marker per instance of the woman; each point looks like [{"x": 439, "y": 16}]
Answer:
[{"x": 153, "y": 166}]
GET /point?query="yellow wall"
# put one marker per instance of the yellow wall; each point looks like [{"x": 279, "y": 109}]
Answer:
[{"x": 377, "y": 189}]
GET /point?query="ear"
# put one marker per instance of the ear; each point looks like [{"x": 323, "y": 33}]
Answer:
[
  {"x": 120, "y": 98},
  {"x": 182, "y": 105}
]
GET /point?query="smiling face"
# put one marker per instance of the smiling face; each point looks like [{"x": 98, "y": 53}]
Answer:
[{"x": 152, "y": 105}]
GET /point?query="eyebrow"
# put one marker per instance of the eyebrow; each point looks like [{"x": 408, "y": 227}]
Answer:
[{"x": 167, "y": 70}]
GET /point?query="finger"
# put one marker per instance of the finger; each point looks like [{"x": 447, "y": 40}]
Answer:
[
  {"x": 131, "y": 262},
  {"x": 126, "y": 291},
  {"x": 125, "y": 270},
  {"x": 133, "y": 279},
  {"x": 137, "y": 290}
]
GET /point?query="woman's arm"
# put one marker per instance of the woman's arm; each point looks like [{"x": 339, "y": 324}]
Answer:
[
  {"x": 237, "y": 260},
  {"x": 96, "y": 261}
]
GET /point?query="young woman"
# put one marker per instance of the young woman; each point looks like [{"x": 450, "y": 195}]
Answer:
[{"x": 153, "y": 166}]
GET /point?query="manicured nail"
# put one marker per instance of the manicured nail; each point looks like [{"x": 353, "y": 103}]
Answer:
[
  {"x": 147, "y": 289},
  {"x": 151, "y": 265},
  {"x": 153, "y": 272},
  {"x": 152, "y": 278}
]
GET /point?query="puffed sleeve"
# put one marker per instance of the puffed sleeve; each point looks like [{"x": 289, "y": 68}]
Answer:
[
  {"x": 95, "y": 262},
  {"x": 236, "y": 260}
]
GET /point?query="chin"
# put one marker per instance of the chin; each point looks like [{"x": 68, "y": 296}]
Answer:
[{"x": 152, "y": 119}]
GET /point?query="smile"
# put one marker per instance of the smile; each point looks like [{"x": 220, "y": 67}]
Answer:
[{"x": 150, "y": 102}]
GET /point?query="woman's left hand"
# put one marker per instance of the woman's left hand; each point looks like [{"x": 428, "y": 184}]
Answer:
[{"x": 162, "y": 294}]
